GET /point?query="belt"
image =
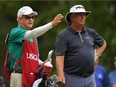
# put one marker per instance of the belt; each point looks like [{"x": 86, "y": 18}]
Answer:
[
  {"x": 85, "y": 75},
  {"x": 17, "y": 72}
]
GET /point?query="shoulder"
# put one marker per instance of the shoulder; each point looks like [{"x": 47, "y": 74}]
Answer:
[
  {"x": 112, "y": 73},
  {"x": 63, "y": 33},
  {"x": 17, "y": 31},
  {"x": 17, "y": 34},
  {"x": 101, "y": 67},
  {"x": 92, "y": 32},
  {"x": 14, "y": 30},
  {"x": 89, "y": 30}
]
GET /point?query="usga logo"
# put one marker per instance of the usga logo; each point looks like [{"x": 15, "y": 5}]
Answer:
[{"x": 32, "y": 56}]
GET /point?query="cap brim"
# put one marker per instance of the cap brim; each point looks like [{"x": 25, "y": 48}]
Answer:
[
  {"x": 67, "y": 16},
  {"x": 35, "y": 13},
  {"x": 88, "y": 12}
]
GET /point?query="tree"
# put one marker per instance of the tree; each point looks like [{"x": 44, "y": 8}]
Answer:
[{"x": 102, "y": 19}]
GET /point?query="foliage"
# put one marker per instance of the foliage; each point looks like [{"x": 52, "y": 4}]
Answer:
[{"x": 102, "y": 19}]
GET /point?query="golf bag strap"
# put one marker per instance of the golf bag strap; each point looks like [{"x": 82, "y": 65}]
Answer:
[{"x": 6, "y": 42}]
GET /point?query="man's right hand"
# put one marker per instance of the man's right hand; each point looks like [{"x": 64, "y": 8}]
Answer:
[
  {"x": 61, "y": 78},
  {"x": 57, "y": 19}
]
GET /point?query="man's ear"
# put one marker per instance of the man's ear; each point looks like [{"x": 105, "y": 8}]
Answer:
[
  {"x": 71, "y": 17},
  {"x": 19, "y": 20}
]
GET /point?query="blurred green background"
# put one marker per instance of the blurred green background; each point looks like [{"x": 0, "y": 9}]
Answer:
[{"x": 102, "y": 19}]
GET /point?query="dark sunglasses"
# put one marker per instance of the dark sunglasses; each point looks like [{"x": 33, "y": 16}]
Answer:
[{"x": 28, "y": 17}]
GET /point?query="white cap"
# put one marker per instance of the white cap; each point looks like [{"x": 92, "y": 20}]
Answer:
[
  {"x": 76, "y": 9},
  {"x": 26, "y": 10}
]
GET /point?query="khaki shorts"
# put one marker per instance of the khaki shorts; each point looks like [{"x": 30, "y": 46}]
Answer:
[{"x": 16, "y": 80}]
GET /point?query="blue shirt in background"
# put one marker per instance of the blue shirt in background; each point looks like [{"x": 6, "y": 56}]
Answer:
[
  {"x": 112, "y": 78},
  {"x": 100, "y": 76}
]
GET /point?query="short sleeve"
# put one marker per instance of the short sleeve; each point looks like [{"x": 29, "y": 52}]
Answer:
[
  {"x": 61, "y": 45},
  {"x": 98, "y": 40},
  {"x": 112, "y": 79},
  {"x": 17, "y": 35}
]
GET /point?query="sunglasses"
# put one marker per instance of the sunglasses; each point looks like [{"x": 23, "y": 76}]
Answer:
[{"x": 28, "y": 17}]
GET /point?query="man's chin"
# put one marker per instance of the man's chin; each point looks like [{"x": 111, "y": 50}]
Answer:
[{"x": 29, "y": 27}]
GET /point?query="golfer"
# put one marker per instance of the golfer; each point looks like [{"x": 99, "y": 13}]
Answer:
[{"x": 75, "y": 50}]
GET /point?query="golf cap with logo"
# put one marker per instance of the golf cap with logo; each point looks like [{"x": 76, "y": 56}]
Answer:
[
  {"x": 26, "y": 10},
  {"x": 76, "y": 9}
]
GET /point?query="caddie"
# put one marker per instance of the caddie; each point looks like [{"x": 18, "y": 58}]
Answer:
[{"x": 23, "y": 59}]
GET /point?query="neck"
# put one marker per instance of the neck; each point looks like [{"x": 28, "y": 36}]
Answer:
[{"x": 77, "y": 28}]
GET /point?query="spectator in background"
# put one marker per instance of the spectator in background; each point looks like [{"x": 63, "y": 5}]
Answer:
[
  {"x": 2, "y": 82},
  {"x": 112, "y": 75},
  {"x": 100, "y": 75}
]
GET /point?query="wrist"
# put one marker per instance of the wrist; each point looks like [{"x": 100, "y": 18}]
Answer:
[
  {"x": 51, "y": 24},
  {"x": 96, "y": 55}
]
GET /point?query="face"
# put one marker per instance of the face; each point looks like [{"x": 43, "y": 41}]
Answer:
[
  {"x": 78, "y": 18},
  {"x": 26, "y": 21}
]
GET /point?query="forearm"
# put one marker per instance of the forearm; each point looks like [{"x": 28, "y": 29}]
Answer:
[
  {"x": 37, "y": 31},
  {"x": 100, "y": 50},
  {"x": 60, "y": 65}
]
